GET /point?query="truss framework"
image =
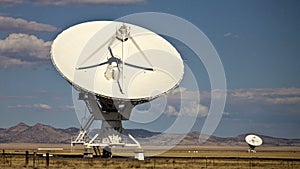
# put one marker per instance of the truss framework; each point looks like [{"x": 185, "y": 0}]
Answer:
[{"x": 112, "y": 134}]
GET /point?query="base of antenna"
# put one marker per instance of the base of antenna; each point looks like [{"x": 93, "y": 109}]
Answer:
[
  {"x": 88, "y": 152},
  {"x": 107, "y": 153},
  {"x": 139, "y": 154},
  {"x": 111, "y": 134},
  {"x": 251, "y": 150},
  {"x": 95, "y": 151}
]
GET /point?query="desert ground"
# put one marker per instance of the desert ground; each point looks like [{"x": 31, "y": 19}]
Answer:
[{"x": 13, "y": 156}]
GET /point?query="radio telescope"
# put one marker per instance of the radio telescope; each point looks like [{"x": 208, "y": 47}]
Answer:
[
  {"x": 253, "y": 141},
  {"x": 114, "y": 66}
]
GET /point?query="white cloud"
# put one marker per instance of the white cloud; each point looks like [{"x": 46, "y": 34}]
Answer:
[
  {"x": 203, "y": 110},
  {"x": 192, "y": 109},
  {"x": 22, "y": 49},
  {"x": 287, "y": 100},
  {"x": 66, "y": 108},
  {"x": 40, "y": 106},
  {"x": 12, "y": 62},
  {"x": 269, "y": 95},
  {"x": 195, "y": 109},
  {"x": 170, "y": 110},
  {"x": 239, "y": 96},
  {"x": 178, "y": 90},
  {"x": 19, "y": 106},
  {"x": 218, "y": 94},
  {"x": 279, "y": 91},
  {"x": 239, "y": 102},
  {"x": 18, "y": 97},
  {"x": 183, "y": 94},
  {"x": 230, "y": 35},
  {"x": 9, "y": 24},
  {"x": 70, "y": 2},
  {"x": 10, "y": 2},
  {"x": 242, "y": 94},
  {"x": 269, "y": 104}
]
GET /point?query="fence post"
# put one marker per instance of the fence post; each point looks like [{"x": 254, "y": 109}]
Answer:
[
  {"x": 26, "y": 158},
  {"x": 34, "y": 158},
  {"x": 10, "y": 161},
  {"x": 3, "y": 156},
  {"x": 47, "y": 160}
]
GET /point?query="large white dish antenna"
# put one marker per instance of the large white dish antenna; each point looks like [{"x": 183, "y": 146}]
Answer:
[
  {"x": 117, "y": 60},
  {"x": 253, "y": 140}
]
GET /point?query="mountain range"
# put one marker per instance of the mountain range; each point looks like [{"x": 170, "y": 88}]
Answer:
[{"x": 41, "y": 133}]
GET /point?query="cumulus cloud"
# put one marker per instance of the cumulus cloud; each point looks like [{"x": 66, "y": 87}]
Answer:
[
  {"x": 22, "y": 49},
  {"x": 239, "y": 102},
  {"x": 170, "y": 110},
  {"x": 182, "y": 93},
  {"x": 70, "y": 2},
  {"x": 12, "y": 62},
  {"x": 192, "y": 109},
  {"x": 9, "y": 24}
]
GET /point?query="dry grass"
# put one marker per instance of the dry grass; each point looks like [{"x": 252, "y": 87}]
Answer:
[
  {"x": 160, "y": 163},
  {"x": 179, "y": 158}
]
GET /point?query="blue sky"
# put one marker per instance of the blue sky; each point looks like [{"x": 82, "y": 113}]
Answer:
[{"x": 258, "y": 43}]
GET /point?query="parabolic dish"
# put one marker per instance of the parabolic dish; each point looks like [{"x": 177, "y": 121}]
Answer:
[
  {"x": 133, "y": 65},
  {"x": 253, "y": 140}
]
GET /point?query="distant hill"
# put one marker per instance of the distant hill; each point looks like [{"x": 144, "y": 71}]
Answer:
[
  {"x": 141, "y": 133},
  {"x": 41, "y": 133},
  {"x": 38, "y": 133},
  {"x": 193, "y": 139}
]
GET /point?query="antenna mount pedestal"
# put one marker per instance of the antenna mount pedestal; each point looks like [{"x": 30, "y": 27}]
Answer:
[{"x": 112, "y": 134}]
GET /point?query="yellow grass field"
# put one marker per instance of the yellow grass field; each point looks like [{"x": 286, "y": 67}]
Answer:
[{"x": 179, "y": 158}]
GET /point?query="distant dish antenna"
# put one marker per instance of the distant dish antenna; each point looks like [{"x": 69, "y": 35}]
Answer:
[
  {"x": 253, "y": 141},
  {"x": 114, "y": 70}
]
